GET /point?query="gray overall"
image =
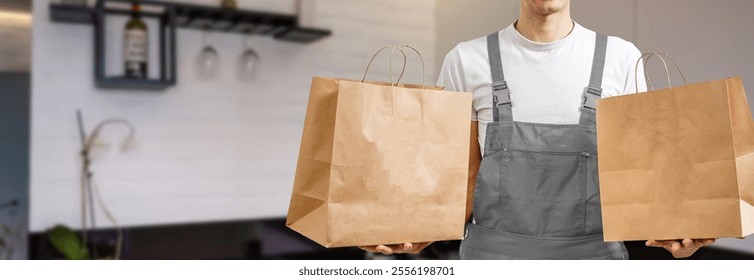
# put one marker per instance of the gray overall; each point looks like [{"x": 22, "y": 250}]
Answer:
[{"x": 537, "y": 193}]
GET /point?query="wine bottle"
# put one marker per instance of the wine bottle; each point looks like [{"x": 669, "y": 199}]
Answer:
[
  {"x": 135, "y": 44},
  {"x": 229, "y": 4}
]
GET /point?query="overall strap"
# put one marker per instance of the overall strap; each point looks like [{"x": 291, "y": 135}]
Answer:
[
  {"x": 501, "y": 97},
  {"x": 594, "y": 90}
]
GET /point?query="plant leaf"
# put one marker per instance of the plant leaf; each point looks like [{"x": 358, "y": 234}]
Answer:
[{"x": 67, "y": 243}]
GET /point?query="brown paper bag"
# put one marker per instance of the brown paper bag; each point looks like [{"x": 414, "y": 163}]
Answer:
[
  {"x": 677, "y": 163},
  {"x": 381, "y": 164}
]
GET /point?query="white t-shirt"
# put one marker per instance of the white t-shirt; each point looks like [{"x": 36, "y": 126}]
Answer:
[{"x": 546, "y": 80}]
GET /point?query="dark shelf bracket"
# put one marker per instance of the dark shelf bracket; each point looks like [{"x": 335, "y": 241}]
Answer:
[{"x": 177, "y": 15}]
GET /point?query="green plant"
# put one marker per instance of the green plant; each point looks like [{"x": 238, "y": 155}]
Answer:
[{"x": 67, "y": 242}]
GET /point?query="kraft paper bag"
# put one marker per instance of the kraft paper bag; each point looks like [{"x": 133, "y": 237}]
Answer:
[
  {"x": 381, "y": 163},
  {"x": 677, "y": 163}
]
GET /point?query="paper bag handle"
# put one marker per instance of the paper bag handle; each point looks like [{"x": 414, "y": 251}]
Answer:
[
  {"x": 646, "y": 75},
  {"x": 400, "y": 48},
  {"x": 424, "y": 68},
  {"x": 393, "y": 48},
  {"x": 666, "y": 69}
]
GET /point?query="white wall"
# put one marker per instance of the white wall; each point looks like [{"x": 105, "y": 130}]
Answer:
[
  {"x": 708, "y": 39},
  {"x": 459, "y": 21},
  {"x": 205, "y": 150}
]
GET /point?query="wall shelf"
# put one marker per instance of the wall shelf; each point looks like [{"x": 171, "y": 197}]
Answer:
[{"x": 177, "y": 15}]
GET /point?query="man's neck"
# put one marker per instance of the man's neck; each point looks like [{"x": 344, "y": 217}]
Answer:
[{"x": 545, "y": 28}]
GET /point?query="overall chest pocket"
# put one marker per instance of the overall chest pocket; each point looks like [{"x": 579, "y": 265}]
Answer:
[{"x": 544, "y": 193}]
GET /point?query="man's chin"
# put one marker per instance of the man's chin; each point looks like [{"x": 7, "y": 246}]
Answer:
[{"x": 548, "y": 7}]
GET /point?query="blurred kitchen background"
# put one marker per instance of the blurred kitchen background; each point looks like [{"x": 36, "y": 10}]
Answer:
[{"x": 197, "y": 160}]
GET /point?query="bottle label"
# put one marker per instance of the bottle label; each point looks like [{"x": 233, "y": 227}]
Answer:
[{"x": 135, "y": 49}]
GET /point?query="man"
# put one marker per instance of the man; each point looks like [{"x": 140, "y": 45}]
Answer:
[{"x": 534, "y": 192}]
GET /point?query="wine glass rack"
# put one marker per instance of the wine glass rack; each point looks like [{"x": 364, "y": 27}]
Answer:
[{"x": 173, "y": 15}]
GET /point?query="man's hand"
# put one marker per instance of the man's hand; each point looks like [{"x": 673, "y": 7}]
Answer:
[
  {"x": 405, "y": 248},
  {"x": 681, "y": 249}
]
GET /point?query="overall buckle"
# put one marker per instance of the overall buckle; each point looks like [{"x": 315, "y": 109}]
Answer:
[
  {"x": 501, "y": 95},
  {"x": 589, "y": 99}
]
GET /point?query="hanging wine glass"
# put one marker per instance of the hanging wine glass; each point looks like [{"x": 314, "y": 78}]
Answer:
[
  {"x": 208, "y": 61},
  {"x": 248, "y": 62}
]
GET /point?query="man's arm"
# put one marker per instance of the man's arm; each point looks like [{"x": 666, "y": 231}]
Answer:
[{"x": 475, "y": 159}]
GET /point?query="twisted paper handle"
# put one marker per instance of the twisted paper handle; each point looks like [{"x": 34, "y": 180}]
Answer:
[
  {"x": 403, "y": 70},
  {"x": 664, "y": 63}
]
